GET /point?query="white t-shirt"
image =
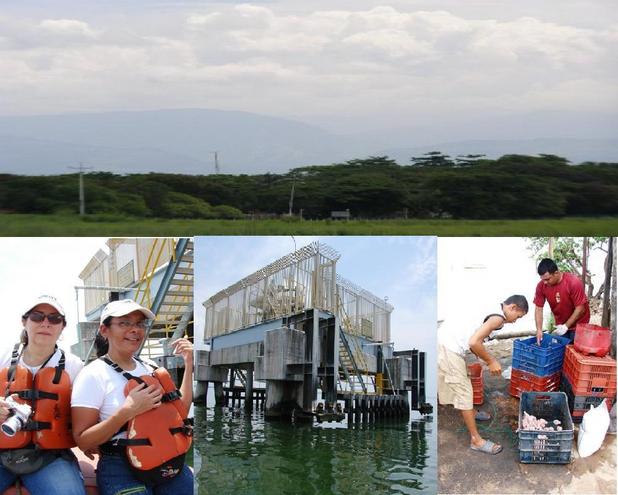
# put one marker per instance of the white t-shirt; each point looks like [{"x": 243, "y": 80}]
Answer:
[
  {"x": 455, "y": 334},
  {"x": 73, "y": 365},
  {"x": 100, "y": 387}
]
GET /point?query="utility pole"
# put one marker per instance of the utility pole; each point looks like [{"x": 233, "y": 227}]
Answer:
[
  {"x": 216, "y": 153},
  {"x": 82, "y": 196},
  {"x": 291, "y": 204}
]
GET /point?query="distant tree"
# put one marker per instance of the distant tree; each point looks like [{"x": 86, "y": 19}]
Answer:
[
  {"x": 468, "y": 160},
  {"x": 433, "y": 159},
  {"x": 555, "y": 159},
  {"x": 373, "y": 161}
]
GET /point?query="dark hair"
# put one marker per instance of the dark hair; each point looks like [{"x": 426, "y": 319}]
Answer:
[
  {"x": 100, "y": 343},
  {"x": 520, "y": 301},
  {"x": 547, "y": 265}
]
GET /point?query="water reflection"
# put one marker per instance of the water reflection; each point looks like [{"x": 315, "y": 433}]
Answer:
[{"x": 238, "y": 453}]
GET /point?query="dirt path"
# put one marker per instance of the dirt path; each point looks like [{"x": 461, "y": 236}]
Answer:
[{"x": 462, "y": 470}]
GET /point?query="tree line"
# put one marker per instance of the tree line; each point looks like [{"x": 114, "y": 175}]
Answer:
[{"x": 434, "y": 186}]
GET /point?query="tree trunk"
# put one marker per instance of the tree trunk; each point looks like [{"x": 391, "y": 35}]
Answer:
[
  {"x": 510, "y": 334},
  {"x": 612, "y": 248},
  {"x": 605, "y": 314},
  {"x": 585, "y": 268}
]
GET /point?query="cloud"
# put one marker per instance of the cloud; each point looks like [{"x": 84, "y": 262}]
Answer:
[
  {"x": 67, "y": 27},
  {"x": 378, "y": 61}
]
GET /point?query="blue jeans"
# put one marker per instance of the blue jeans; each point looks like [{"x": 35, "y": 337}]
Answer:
[
  {"x": 114, "y": 477},
  {"x": 61, "y": 477}
]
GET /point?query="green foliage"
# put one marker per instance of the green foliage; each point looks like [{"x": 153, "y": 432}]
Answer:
[
  {"x": 568, "y": 251},
  {"x": 432, "y": 159},
  {"x": 473, "y": 187},
  {"x": 226, "y": 212},
  {"x": 180, "y": 205}
]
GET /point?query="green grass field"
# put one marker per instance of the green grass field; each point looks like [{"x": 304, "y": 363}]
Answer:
[{"x": 63, "y": 225}]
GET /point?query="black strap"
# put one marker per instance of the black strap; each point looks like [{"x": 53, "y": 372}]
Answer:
[
  {"x": 137, "y": 358},
  {"x": 185, "y": 430},
  {"x": 32, "y": 425},
  {"x": 15, "y": 356},
  {"x": 167, "y": 397},
  {"x": 171, "y": 396},
  {"x": 59, "y": 368},
  {"x": 118, "y": 369},
  {"x": 125, "y": 442},
  {"x": 495, "y": 314},
  {"x": 34, "y": 394}
]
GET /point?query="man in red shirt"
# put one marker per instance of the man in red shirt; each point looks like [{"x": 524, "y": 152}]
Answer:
[{"x": 566, "y": 297}]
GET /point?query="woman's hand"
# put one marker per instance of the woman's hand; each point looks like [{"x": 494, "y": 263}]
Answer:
[
  {"x": 141, "y": 399},
  {"x": 183, "y": 347},
  {"x": 5, "y": 410}
]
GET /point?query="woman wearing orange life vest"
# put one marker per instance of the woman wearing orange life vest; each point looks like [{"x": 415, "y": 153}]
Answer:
[
  {"x": 35, "y": 378},
  {"x": 134, "y": 415}
]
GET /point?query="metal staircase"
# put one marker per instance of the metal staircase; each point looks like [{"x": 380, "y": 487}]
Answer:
[
  {"x": 173, "y": 301},
  {"x": 352, "y": 362},
  {"x": 348, "y": 365}
]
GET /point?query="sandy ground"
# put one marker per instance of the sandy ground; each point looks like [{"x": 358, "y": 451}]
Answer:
[{"x": 462, "y": 470}]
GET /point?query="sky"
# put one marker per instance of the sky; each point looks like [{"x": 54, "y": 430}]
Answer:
[
  {"x": 349, "y": 66},
  {"x": 400, "y": 268},
  {"x": 34, "y": 266},
  {"x": 476, "y": 274}
]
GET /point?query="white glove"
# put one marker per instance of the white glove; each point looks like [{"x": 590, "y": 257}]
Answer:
[{"x": 561, "y": 330}]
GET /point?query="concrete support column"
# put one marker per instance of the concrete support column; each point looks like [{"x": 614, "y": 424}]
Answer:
[
  {"x": 201, "y": 392},
  {"x": 282, "y": 397},
  {"x": 249, "y": 389},
  {"x": 219, "y": 397}
]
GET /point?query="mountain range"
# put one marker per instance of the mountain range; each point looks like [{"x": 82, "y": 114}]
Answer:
[{"x": 185, "y": 141}]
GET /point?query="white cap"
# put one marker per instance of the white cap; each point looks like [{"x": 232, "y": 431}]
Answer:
[
  {"x": 124, "y": 307},
  {"x": 45, "y": 299}
]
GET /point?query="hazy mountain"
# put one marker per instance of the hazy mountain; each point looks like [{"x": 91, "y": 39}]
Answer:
[
  {"x": 183, "y": 141},
  {"x": 180, "y": 141}
]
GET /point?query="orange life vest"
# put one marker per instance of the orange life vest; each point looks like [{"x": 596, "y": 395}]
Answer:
[
  {"x": 49, "y": 395},
  {"x": 160, "y": 434}
]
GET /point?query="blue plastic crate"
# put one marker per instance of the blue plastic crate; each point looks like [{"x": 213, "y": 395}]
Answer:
[
  {"x": 545, "y": 447},
  {"x": 541, "y": 360}
]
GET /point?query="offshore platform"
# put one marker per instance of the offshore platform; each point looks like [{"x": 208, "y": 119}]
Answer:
[{"x": 300, "y": 341}]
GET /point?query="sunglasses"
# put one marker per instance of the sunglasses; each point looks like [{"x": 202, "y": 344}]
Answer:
[{"x": 38, "y": 317}]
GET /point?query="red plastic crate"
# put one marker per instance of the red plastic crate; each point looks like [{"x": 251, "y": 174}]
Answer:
[
  {"x": 475, "y": 371},
  {"x": 589, "y": 375},
  {"x": 522, "y": 381},
  {"x": 592, "y": 339},
  {"x": 583, "y": 402}
]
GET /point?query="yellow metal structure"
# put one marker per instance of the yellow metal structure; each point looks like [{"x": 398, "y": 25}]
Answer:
[{"x": 177, "y": 299}]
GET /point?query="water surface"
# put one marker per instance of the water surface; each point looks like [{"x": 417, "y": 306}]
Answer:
[{"x": 240, "y": 453}]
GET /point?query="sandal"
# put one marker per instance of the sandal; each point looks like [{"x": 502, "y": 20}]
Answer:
[{"x": 488, "y": 447}]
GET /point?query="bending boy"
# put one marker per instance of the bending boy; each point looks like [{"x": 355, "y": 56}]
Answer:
[{"x": 454, "y": 385}]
